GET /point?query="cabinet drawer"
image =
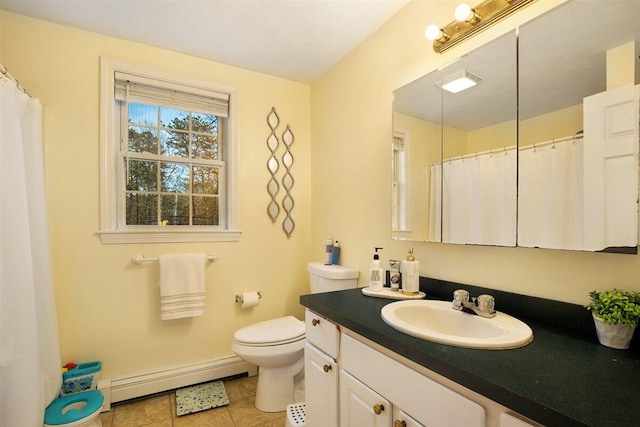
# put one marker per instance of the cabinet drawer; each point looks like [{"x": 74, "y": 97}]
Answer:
[
  {"x": 322, "y": 333},
  {"x": 429, "y": 402}
]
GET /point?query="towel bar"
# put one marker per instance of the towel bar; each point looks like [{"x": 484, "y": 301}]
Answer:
[{"x": 139, "y": 258}]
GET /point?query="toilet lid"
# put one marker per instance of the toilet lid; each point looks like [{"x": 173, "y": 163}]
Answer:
[
  {"x": 54, "y": 415},
  {"x": 275, "y": 331}
]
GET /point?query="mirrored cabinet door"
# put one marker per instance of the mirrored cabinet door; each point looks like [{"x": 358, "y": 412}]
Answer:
[
  {"x": 479, "y": 166},
  {"x": 578, "y": 129}
]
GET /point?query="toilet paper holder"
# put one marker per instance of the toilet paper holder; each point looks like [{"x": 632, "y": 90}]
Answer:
[{"x": 239, "y": 297}]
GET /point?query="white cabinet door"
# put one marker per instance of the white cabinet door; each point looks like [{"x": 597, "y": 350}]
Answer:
[
  {"x": 360, "y": 406},
  {"x": 321, "y": 388}
]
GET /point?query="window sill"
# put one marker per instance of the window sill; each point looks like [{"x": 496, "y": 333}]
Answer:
[{"x": 170, "y": 236}]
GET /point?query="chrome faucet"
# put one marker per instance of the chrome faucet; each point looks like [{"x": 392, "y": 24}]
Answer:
[{"x": 482, "y": 306}]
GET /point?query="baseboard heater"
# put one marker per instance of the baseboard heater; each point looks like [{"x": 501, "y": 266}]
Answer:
[{"x": 134, "y": 386}]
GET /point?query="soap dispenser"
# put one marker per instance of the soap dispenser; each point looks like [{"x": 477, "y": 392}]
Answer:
[
  {"x": 410, "y": 275},
  {"x": 376, "y": 273}
]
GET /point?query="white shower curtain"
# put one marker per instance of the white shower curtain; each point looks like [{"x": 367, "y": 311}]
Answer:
[
  {"x": 479, "y": 199},
  {"x": 29, "y": 353},
  {"x": 435, "y": 203},
  {"x": 550, "y": 202}
]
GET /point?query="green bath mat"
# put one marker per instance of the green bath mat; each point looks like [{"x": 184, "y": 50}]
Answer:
[{"x": 200, "y": 398}]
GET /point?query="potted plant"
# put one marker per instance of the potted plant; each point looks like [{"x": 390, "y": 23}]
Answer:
[{"x": 615, "y": 315}]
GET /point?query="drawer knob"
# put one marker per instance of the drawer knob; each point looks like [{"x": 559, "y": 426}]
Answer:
[
  {"x": 399, "y": 423},
  {"x": 326, "y": 368},
  {"x": 315, "y": 322},
  {"x": 378, "y": 408}
]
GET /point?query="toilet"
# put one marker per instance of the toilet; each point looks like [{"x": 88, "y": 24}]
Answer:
[
  {"x": 75, "y": 410},
  {"x": 277, "y": 346}
]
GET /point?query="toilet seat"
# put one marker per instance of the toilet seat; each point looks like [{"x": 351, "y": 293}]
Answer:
[
  {"x": 279, "y": 331},
  {"x": 64, "y": 410}
]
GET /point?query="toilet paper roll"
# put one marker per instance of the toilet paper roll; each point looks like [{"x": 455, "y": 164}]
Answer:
[{"x": 249, "y": 299}]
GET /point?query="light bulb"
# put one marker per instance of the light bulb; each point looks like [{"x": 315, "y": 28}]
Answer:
[
  {"x": 433, "y": 32},
  {"x": 464, "y": 13}
]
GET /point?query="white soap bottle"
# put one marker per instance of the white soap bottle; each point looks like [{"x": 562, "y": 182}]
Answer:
[
  {"x": 410, "y": 275},
  {"x": 376, "y": 273}
]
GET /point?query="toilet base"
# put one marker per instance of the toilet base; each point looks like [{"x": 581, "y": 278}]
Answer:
[{"x": 276, "y": 387}]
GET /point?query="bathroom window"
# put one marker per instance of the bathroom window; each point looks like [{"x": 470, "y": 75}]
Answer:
[
  {"x": 399, "y": 184},
  {"x": 168, "y": 157}
]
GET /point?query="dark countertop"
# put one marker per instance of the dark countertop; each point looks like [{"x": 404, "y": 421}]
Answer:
[{"x": 562, "y": 378}]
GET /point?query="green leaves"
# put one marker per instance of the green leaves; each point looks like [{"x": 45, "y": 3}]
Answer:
[{"x": 616, "y": 306}]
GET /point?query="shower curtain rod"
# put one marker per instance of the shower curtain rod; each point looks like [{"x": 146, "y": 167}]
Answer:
[
  {"x": 480, "y": 153},
  {"x": 552, "y": 141},
  {"x": 5, "y": 71},
  {"x": 505, "y": 149}
]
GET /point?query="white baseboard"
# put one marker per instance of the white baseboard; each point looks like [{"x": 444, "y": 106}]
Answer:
[{"x": 144, "y": 384}]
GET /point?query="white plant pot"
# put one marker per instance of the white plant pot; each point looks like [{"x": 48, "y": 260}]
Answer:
[{"x": 614, "y": 336}]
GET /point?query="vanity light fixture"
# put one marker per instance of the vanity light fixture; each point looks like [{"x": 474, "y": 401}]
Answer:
[
  {"x": 433, "y": 32},
  {"x": 464, "y": 13},
  {"x": 459, "y": 81},
  {"x": 470, "y": 21}
]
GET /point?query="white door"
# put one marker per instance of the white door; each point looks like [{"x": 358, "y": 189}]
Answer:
[
  {"x": 321, "y": 388},
  {"x": 611, "y": 169},
  {"x": 360, "y": 406}
]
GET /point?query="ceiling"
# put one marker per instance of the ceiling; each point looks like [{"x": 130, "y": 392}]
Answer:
[{"x": 293, "y": 39}]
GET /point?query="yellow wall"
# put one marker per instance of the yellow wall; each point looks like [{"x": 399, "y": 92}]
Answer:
[
  {"x": 108, "y": 309},
  {"x": 351, "y": 128}
]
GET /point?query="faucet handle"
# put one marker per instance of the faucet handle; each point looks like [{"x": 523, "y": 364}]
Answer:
[
  {"x": 460, "y": 297},
  {"x": 486, "y": 303}
]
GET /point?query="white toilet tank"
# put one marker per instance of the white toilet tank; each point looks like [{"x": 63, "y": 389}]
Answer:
[{"x": 326, "y": 278}]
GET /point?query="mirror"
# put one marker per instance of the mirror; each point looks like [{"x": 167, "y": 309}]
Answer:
[
  {"x": 577, "y": 190},
  {"x": 441, "y": 138},
  {"x": 565, "y": 56},
  {"x": 479, "y": 148},
  {"x": 416, "y": 152}
]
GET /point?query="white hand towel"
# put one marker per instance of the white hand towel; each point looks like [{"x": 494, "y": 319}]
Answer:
[{"x": 181, "y": 285}]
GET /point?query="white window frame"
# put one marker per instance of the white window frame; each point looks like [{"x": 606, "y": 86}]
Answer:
[
  {"x": 110, "y": 230},
  {"x": 400, "y": 183}
]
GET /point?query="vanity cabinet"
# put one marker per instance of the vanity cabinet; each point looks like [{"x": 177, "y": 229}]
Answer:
[
  {"x": 321, "y": 371},
  {"x": 353, "y": 382},
  {"x": 400, "y": 390}
]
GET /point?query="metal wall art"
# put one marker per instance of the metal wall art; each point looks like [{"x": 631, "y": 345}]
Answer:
[
  {"x": 273, "y": 209},
  {"x": 287, "y": 182},
  {"x": 273, "y": 187}
]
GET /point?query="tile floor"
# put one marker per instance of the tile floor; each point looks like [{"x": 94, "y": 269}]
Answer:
[{"x": 160, "y": 410}]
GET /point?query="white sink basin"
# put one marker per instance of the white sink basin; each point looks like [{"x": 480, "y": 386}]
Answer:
[{"x": 437, "y": 321}]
